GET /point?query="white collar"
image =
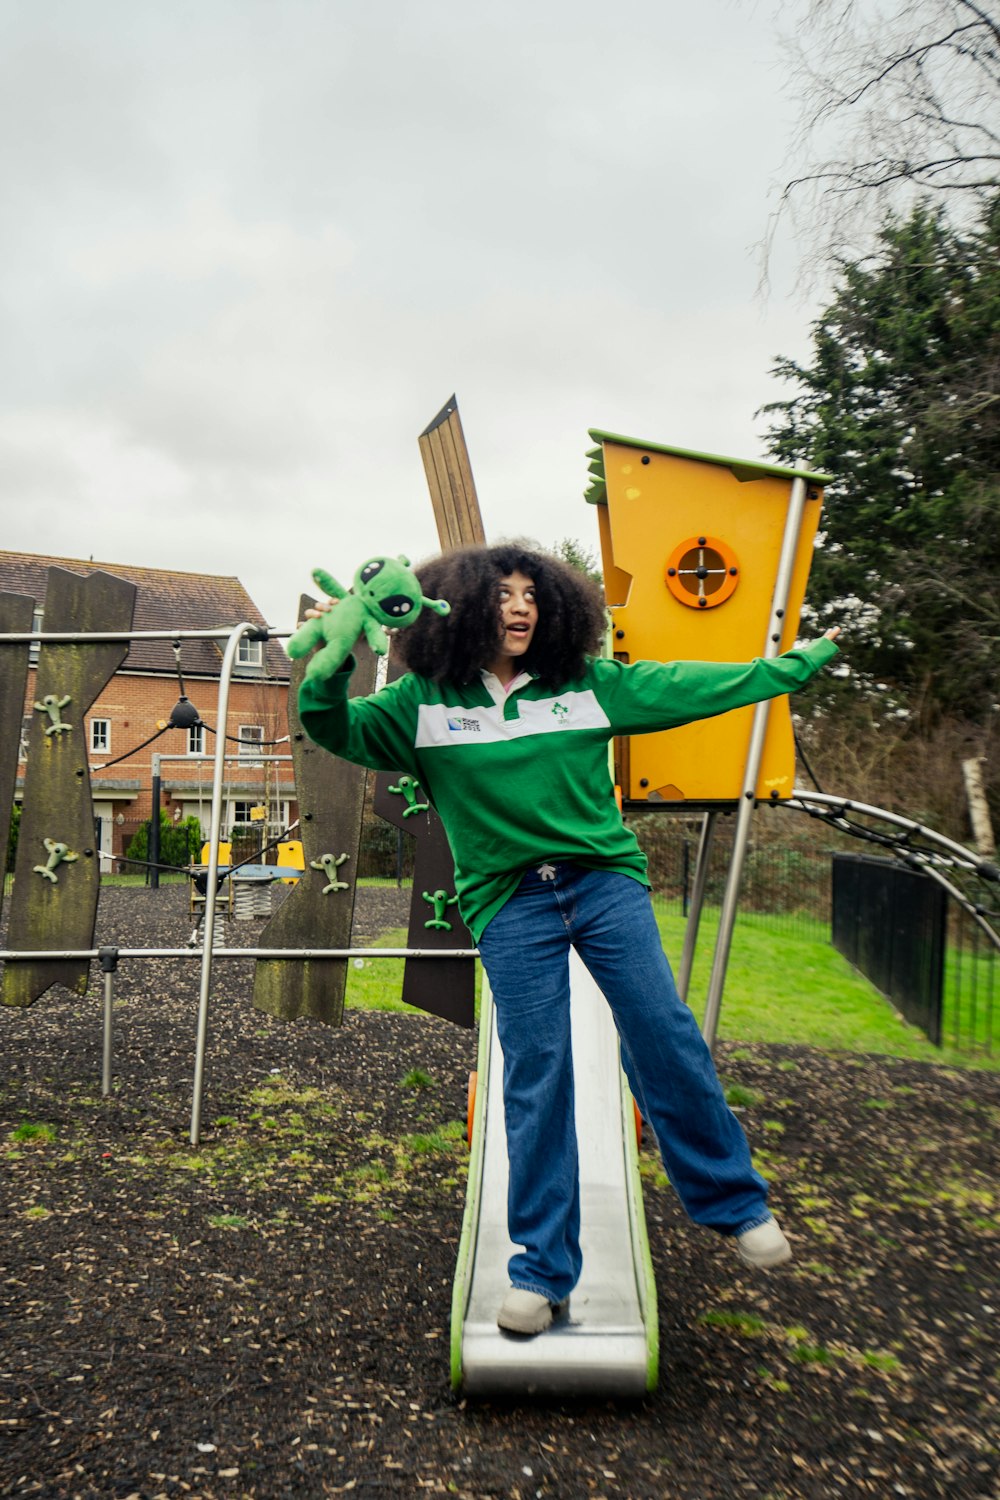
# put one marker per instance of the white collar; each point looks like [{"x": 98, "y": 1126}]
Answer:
[{"x": 497, "y": 690}]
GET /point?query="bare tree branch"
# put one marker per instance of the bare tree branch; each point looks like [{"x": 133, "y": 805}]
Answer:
[{"x": 895, "y": 102}]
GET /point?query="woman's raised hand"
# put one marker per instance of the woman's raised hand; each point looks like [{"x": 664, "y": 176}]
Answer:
[{"x": 321, "y": 607}]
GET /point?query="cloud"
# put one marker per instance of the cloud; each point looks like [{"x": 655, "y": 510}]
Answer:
[{"x": 250, "y": 249}]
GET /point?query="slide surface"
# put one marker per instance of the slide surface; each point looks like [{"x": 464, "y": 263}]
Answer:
[{"x": 607, "y": 1344}]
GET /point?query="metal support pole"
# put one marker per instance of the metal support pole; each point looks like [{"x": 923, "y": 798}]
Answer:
[
  {"x": 727, "y": 916},
  {"x": 228, "y": 659},
  {"x": 154, "y": 829},
  {"x": 109, "y": 963},
  {"x": 697, "y": 902},
  {"x": 290, "y": 955}
]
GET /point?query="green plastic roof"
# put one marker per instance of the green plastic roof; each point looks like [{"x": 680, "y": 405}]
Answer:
[{"x": 741, "y": 468}]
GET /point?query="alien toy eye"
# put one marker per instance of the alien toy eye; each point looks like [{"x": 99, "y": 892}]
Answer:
[
  {"x": 396, "y": 605},
  {"x": 369, "y": 571}
]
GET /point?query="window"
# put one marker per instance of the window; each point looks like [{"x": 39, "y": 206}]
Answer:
[
  {"x": 36, "y": 625},
  {"x": 250, "y": 735},
  {"x": 196, "y": 739},
  {"x": 277, "y": 820},
  {"x": 242, "y": 811},
  {"x": 100, "y": 736},
  {"x": 250, "y": 653}
]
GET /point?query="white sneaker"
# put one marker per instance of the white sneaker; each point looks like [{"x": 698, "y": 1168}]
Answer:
[
  {"x": 764, "y": 1246},
  {"x": 525, "y": 1312}
]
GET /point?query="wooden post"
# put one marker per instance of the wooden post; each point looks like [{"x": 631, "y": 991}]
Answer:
[
  {"x": 979, "y": 808},
  {"x": 445, "y": 987},
  {"x": 450, "y": 481}
]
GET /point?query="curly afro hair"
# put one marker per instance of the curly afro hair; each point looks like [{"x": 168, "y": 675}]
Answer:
[{"x": 571, "y": 615}]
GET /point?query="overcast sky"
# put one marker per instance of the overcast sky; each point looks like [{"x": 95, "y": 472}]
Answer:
[{"x": 248, "y": 248}]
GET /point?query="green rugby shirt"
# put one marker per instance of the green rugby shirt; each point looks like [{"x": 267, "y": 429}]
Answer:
[{"x": 527, "y": 781}]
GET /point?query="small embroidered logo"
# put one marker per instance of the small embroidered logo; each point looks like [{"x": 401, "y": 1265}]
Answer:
[
  {"x": 547, "y": 872},
  {"x": 457, "y": 725},
  {"x": 561, "y": 712}
]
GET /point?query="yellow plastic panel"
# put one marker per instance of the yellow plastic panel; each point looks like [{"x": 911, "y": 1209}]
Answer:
[{"x": 656, "y": 501}]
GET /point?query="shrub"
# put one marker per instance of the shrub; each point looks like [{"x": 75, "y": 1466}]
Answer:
[{"x": 180, "y": 843}]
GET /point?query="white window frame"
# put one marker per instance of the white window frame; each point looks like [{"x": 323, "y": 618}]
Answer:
[
  {"x": 249, "y": 653},
  {"x": 249, "y": 735},
  {"x": 37, "y": 624},
  {"x": 242, "y": 822},
  {"x": 277, "y": 819},
  {"x": 196, "y": 739},
  {"x": 100, "y": 729}
]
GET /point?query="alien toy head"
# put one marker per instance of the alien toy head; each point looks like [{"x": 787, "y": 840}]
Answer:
[{"x": 391, "y": 593}]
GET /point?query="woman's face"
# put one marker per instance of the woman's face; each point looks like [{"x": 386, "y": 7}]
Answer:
[{"x": 518, "y": 619}]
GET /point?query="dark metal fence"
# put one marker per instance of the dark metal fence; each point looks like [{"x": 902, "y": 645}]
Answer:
[
  {"x": 969, "y": 1021},
  {"x": 891, "y": 923},
  {"x": 786, "y": 881}
]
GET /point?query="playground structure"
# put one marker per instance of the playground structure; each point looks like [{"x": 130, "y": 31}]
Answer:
[
  {"x": 726, "y": 578},
  {"x": 609, "y": 1344}
]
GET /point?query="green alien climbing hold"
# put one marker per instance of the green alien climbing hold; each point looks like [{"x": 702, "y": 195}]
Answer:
[
  {"x": 59, "y": 854},
  {"x": 53, "y": 706},
  {"x": 408, "y": 788},
  {"x": 440, "y": 900},
  {"x": 330, "y": 863}
]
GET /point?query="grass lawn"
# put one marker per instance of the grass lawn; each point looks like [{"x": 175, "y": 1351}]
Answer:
[
  {"x": 376, "y": 983},
  {"x": 781, "y": 987},
  {"x": 797, "y": 988}
]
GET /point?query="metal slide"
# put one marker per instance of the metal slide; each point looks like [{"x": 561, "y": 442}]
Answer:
[{"x": 608, "y": 1343}]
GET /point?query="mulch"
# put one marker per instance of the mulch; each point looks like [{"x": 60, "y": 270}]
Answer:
[{"x": 268, "y": 1314}]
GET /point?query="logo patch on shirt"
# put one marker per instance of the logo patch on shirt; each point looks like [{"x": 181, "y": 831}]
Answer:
[{"x": 441, "y": 726}]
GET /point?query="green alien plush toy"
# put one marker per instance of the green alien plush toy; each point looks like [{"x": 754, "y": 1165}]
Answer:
[{"x": 384, "y": 592}]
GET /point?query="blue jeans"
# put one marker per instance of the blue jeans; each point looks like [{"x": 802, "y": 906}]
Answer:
[{"x": 609, "y": 919}]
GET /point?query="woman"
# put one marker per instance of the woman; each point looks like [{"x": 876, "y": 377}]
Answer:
[{"x": 504, "y": 718}]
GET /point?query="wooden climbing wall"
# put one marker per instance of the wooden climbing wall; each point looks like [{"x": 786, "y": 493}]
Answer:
[
  {"x": 57, "y": 874},
  {"x": 16, "y": 612},
  {"x": 444, "y": 986},
  {"x": 319, "y": 909}
]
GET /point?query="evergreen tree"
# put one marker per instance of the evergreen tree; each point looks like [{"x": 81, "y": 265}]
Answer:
[
  {"x": 179, "y": 842},
  {"x": 570, "y": 550},
  {"x": 901, "y": 404}
]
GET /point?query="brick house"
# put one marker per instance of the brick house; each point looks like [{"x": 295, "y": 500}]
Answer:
[{"x": 136, "y": 705}]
